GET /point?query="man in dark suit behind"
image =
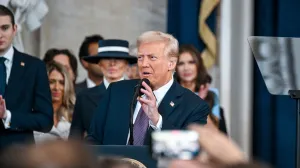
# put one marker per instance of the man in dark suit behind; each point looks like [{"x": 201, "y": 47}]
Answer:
[
  {"x": 114, "y": 67},
  {"x": 164, "y": 105},
  {"x": 25, "y": 99},
  {"x": 89, "y": 47}
]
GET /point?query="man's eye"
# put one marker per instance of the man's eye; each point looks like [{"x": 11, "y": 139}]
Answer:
[{"x": 4, "y": 27}]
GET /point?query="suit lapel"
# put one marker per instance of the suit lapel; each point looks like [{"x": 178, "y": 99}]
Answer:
[
  {"x": 170, "y": 101},
  {"x": 15, "y": 78}
]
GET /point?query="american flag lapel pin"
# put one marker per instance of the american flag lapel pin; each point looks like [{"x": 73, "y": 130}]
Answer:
[
  {"x": 172, "y": 104},
  {"x": 22, "y": 64}
]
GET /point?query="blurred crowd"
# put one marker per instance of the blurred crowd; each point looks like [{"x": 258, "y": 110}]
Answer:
[{"x": 218, "y": 151}]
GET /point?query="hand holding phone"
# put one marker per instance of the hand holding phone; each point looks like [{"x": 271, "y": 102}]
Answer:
[{"x": 175, "y": 144}]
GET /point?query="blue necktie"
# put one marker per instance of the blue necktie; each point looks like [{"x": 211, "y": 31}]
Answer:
[{"x": 2, "y": 76}]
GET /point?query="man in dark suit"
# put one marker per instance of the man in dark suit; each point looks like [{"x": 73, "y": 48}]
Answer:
[
  {"x": 164, "y": 105},
  {"x": 89, "y": 47},
  {"x": 25, "y": 98},
  {"x": 114, "y": 67}
]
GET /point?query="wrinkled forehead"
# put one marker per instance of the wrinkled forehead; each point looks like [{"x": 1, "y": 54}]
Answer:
[{"x": 151, "y": 48}]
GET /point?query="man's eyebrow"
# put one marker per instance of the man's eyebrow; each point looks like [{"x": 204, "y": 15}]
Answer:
[
  {"x": 5, "y": 25},
  {"x": 140, "y": 54}
]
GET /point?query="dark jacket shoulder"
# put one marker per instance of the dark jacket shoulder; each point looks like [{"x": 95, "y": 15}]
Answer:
[
  {"x": 124, "y": 84},
  {"x": 192, "y": 97},
  {"x": 93, "y": 90},
  {"x": 28, "y": 58}
]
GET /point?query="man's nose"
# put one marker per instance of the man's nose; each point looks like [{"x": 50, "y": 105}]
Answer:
[
  {"x": 1, "y": 34},
  {"x": 145, "y": 62}
]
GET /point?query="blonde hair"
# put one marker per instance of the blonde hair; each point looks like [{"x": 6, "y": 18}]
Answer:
[
  {"x": 172, "y": 46},
  {"x": 68, "y": 102}
]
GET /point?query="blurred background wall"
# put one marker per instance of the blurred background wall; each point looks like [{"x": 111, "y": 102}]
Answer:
[{"x": 69, "y": 21}]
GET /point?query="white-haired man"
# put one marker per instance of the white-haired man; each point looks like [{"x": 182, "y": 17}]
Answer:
[{"x": 164, "y": 105}]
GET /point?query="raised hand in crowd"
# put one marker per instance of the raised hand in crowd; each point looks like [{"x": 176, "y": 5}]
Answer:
[{"x": 217, "y": 150}]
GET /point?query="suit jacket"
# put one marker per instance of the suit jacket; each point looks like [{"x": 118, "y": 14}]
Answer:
[
  {"x": 110, "y": 126},
  {"x": 86, "y": 103},
  {"x": 28, "y": 98},
  {"x": 81, "y": 86}
]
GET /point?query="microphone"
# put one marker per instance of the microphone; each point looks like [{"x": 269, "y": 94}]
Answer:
[
  {"x": 140, "y": 86},
  {"x": 137, "y": 94}
]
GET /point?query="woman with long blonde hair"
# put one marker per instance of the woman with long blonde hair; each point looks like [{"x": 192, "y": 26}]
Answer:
[{"x": 63, "y": 100}]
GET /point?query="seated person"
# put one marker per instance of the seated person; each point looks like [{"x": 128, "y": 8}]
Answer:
[{"x": 63, "y": 99}]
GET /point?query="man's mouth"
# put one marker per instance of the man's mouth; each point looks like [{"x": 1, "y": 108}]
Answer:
[{"x": 146, "y": 73}]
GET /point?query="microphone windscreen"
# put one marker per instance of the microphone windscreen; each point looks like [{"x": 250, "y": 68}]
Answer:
[
  {"x": 146, "y": 80},
  {"x": 141, "y": 86}
]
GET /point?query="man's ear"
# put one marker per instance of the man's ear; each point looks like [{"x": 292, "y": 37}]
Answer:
[
  {"x": 15, "y": 28},
  {"x": 172, "y": 63}
]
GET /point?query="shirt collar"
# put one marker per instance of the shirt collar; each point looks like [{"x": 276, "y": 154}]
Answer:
[
  {"x": 90, "y": 83},
  {"x": 9, "y": 54},
  {"x": 161, "y": 92},
  {"x": 106, "y": 83}
]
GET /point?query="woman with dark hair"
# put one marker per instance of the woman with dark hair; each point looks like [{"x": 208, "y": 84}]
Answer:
[
  {"x": 190, "y": 69},
  {"x": 192, "y": 74},
  {"x": 64, "y": 57}
]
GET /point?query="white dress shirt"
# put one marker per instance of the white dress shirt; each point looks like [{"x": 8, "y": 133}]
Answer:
[
  {"x": 61, "y": 131},
  {"x": 159, "y": 94},
  {"x": 106, "y": 83},
  {"x": 9, "y": 61},
  {"x": 8, "y": 65},
  {"x": 90, "y": 83}
]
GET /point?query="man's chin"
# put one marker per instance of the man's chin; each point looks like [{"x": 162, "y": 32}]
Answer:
[
  {"x": 114, "y": 78},
  {"x": 3, "y": 48}
]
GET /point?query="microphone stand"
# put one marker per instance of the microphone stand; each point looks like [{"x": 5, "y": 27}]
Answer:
[
  {"x": 295, "y": 94},
  {"x": 131, "y": 115}
]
